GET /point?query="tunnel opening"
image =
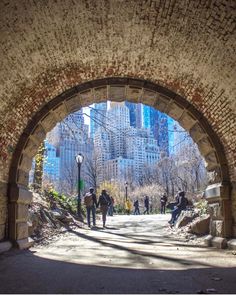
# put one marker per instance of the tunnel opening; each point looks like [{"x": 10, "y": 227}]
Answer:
[{"x": 118, "y": 90}]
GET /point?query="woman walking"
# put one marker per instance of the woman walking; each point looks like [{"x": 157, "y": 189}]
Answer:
[{"x": 104, "y": 203}]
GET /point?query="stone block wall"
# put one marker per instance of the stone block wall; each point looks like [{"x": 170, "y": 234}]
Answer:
[
  {"x": 233, "y": 197},
  {"x": 3, "y": 209}
]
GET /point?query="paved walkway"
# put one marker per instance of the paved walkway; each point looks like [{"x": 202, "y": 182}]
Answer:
[{"x": 135, "y": 254}]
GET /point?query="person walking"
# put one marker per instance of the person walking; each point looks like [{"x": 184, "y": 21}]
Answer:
[
  {"x": 90, "y": 202},
  {"x": 111, "y": 207},
  {"x": 104, "y": 202},
  {"x": 181, "y": 204},
  {"x": 146, "y": 205},
  {"x": 136, "y": 208},
  {"x": 163, "y": 204}
]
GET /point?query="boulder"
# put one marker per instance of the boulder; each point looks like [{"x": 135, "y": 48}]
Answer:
[
  {"x": 201, "y": 225},
  {"x": 184, "y": 218},
  {"x": 58, "y": 214}
]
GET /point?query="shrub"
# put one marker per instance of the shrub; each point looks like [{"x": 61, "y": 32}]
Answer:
[{"x": 202, "y": 206}]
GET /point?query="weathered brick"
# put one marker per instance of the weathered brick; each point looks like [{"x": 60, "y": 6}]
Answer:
[{"x": 59, "y": 45}]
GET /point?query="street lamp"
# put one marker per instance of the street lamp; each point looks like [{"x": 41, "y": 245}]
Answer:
[
  {"x": 79, "y": 160},
  {"x": 126, "y": 191}
]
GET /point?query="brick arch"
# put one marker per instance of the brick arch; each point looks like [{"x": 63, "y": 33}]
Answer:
[{"x": 119, "y": 89}]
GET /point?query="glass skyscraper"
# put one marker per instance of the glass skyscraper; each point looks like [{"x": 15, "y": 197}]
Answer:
[
  {"x": 135, "y": 114},
  {"x": 157, "y": 122}
]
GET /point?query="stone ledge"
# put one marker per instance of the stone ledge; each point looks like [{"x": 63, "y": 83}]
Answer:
[
  {"x": 5, "y": 246},
  {"x": 217, "y": 242},
  {"x": 25, "y": 243},
  {"x": 217, "y": 191},
  {"x": 232, "y": 244}
]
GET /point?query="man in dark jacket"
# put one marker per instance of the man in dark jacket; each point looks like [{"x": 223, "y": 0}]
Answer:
[
  {"x": 146, "y": 205},
  {"x": 181, "y": 203},
  {"x": 90, "y": 202},
  {"x": 163, "y": 204},
  {"x": 136, "y": 208}
]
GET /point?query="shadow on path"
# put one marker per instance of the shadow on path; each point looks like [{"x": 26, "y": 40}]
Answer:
[
  {"x": 136, "y": 252},
  {"x": 25, "y": 272}
]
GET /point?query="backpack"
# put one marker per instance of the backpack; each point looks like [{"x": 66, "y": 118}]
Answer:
[
  {"x": 88, "y": 200},
  {"x": 104, "y": 200},
  {"x": 185, "y": 202}
]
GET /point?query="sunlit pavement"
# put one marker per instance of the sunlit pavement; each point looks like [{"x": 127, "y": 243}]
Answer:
[{"x": 134, "y": 254}]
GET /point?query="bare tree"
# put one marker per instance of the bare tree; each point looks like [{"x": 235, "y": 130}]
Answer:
[{"x": 91, "y": 171}]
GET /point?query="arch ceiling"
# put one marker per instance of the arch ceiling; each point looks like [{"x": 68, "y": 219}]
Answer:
[{"x": 48, "y": 47}]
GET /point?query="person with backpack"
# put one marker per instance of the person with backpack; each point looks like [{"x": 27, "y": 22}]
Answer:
[
  {"x": 136, "y": 208},
  {"x": 90, "y": 202},
  {"x": 163, "y": 204},
  {"x": 181, "y": 204},
  {"x": 104, "y": 202}
]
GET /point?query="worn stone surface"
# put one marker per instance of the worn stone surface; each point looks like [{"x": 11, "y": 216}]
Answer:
[
  {"x": 215, "y": 211},
  {"x": 232, "y": 244},
  {"x": 48, "y": 48},
  {"x": 216, "y": 228},
  {"x": 22, "y": 212},
  {"x": 2, "y": 231},
  {"x": 25, "y": 243},
  {"x": 185, "y": 218},
  {"x": 200, "y": 225},
  {"x": 5, "y": 246},
  {"x": 22, "y": 230},
  {"x": 219, "y": 242}
]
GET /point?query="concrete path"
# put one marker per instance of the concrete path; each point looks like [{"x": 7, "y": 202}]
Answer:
[{"x": 135, "y": 254}]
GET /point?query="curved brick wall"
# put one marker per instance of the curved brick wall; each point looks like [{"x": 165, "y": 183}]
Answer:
[{"x": 49, "y": 47}]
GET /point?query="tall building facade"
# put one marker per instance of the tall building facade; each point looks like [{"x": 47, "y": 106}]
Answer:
[
  {"x": 74, "y": 139},
  {"x": 123, "y": 149},
  {"x": 97, "y": 117},
  {"x": 141, "y": 146},
  {"x": 171, "y": 131},
  {"x": 64, "y": 142},
  {"x": 118, "y": 121},
  {"x": 51, "y": 164}
]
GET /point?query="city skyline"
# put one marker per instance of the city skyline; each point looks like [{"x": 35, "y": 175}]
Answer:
[{"x": 124, "y": 136}]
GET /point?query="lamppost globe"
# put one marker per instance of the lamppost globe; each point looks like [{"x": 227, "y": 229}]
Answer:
[{"x": 79, "y": 158}]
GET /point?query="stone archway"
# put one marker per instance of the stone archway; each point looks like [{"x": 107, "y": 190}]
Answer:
[{"x": 119, "y": 89}]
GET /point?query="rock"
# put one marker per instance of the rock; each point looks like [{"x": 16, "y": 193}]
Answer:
[
  {"x": 208, "y": 240},
  {"x": 57, "y": 214},
  {"x": 201, "y": 225},
  {"x": 232, "y": 244},
  {"x": 185, "y": 218},
  {"x": 44, "y": 217},
  {"x": 219, "y": 242}
]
